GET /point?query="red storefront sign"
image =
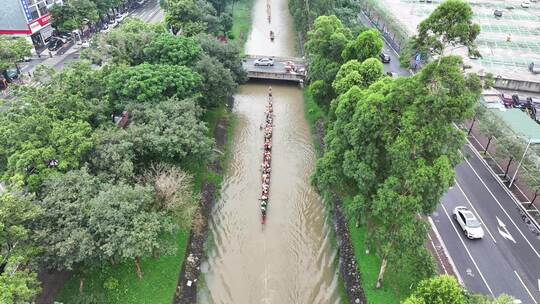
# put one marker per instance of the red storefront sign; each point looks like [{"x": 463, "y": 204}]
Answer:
[{"x": 39, "y": 23}]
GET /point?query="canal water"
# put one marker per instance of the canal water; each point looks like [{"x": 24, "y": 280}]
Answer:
[{"x": 291, "y": 258}]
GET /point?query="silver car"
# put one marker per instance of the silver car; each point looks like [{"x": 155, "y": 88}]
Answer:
[
  {"x": 468, "y": 222},
  {"x": 264, "y": 61}
]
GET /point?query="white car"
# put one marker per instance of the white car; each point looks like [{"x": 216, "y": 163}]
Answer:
[
  {"x": 468, "y": 222},
  {"x": 264, "y": 61},
  {"x": 525, "y": 4}
]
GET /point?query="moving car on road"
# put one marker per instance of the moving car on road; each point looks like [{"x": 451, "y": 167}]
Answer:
[
  {"x": 385, "y": 58},
  {"x": 468, "y": 222},
  {"x": 264, "y": 61}
]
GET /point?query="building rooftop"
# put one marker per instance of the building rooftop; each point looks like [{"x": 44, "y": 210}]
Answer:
[{"x": 520, "y": 123}]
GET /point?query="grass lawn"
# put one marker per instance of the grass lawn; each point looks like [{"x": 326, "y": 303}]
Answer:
[
  {"x": 396, "y": 282},
  {"x": 160, "y": 275},
  {"x": 312, "y": 113},
  {"x": 241, "y": 21},
  {"x": 157, "y": 286}
]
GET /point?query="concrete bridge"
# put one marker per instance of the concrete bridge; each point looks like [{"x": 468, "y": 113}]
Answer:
[{"x": 276, "y": 72}]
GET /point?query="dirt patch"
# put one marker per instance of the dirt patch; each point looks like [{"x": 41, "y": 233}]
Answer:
[
  {"x": 347, "y": 260},
  {"x": 186, "y": 289},
  {"x": 51, "y": 283},
  {"x": 439, "y": 255}
]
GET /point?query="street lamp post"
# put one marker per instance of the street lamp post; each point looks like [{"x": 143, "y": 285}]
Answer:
[{"x": 531, "y": 141}]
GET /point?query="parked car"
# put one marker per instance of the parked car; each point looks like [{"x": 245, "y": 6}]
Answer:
[
  {"x": 385, "y": 58},
  {"x": 507, "y": 100},
  {"x": 497, "y": 13},
  {"x": 11, "y": 74},
  {"x": 468, "y": 222},
  {"x": 55, "y": 44},
  {"x": 519, "y": 101},
  {"x": 264, "y": 61},
  {"x": 534, "y": 67},
  {"x": 525, "y": 4}
]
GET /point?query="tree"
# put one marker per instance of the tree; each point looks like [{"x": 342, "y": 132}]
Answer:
[
  {"x": 325, "y": 43},
  {"x": 123, "y": 227},
  {"x": 17, "y": 212},
  {"x": 360, "y": 74},
  {"x": 173, "y": 50},
  {"x": 509, "y": 147},
  {"x": 112, "y": 159},
  {"x": 173, "y": 192},
  {"x": 64, "y": 229},
  {"x": 490, "y": 126},
  {"x": 327, "y": 39},
  {"x": 13, "y": 50},
  {"x": 218, "y": 83},
  {"x": 148, "y": 83},
  {"x": 73, "y": 15},
  {"x": 449, "y": 25},
  {"x": 125, "y": 44},
  {"x": 439, "y": 290},
  {"x": 185, "y": 16},
  {"x": 368, "y": 44},
  {"x": 170, "y": 131},
  {"x": 226, "y": 53},
  {"x": 390, "y": 150},
  {"x": 18, "y": 286},
  {"x": 18, "y": 283},
  {"x": 35, "y": 144}
]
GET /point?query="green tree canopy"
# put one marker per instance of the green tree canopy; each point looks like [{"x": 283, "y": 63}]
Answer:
[
  {"x": 368, "y": 44},
  {"x": 73, "y": 15},
  {"x": 148, "y": 83},
  {"x": 438, "y": 290},
  {"x": 226, "y": 53},
  {"x": 13, "y": 50},
  {"x": 64, "y": 229},
  {"x": 327, "y": 39},
  {"x": 123, "y": 227},
  {"x": 391, "y": 149},
  {"x": 450, "y": 25},
  {"x": 125, "y": 44},
  {"x": 185, "y": 16},
  {"x": 112, "y": 159},
  {"x": 169, "y": 49},
  {"x": 170, "y": 131},
  {"x": 218, "y": 83}
]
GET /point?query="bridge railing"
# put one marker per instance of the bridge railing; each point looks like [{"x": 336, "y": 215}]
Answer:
[
  {"x": 279, "y": 76},
  {"x": 293, "y": 59}
]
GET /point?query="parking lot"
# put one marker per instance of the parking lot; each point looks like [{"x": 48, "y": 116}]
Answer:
[{"x": 509, "y": 59}]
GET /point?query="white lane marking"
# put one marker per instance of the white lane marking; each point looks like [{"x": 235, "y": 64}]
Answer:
[
  {"x": 498, "y": 203},
  {"x": 475, "y": 211},
  {"x": 446, "y": 252},
  {"x": 538, "y": 284},
  {"x": 467, "y": 250},
  {"x": 527, "y": 289},
  {"x": 504, "y": 231}
]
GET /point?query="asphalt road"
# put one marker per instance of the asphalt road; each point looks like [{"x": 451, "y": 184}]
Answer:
[{"x": 507, "y": 260}]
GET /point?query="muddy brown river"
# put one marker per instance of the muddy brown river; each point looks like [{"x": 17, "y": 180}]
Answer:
[{"x": 290, "y": 259}]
